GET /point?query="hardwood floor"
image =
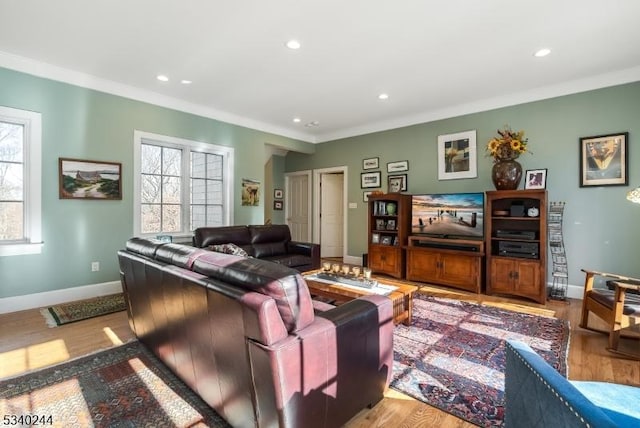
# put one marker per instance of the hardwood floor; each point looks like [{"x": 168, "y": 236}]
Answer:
[{"x": 26, "y": 343}]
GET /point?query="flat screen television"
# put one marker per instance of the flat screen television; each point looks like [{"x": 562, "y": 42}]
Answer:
[{"x": 448, "y": 215}]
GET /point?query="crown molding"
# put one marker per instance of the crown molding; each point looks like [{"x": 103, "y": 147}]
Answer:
[
  {"x": 52, "y": 72},
  {"x": 628, "y": 75}
]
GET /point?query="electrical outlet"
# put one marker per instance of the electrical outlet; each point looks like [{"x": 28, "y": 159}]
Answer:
[{"x": 95, "y": 266}]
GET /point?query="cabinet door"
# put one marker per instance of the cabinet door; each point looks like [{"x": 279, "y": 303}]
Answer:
[
  {"x": 501, "y": 275},
  {"x": 422, "y": 265},
  {"x": 385, "y": 259},
  {"x": 528, "y": 278},
  {"x": 375, "y": 258},
  {"x": 459, "y": 270}
]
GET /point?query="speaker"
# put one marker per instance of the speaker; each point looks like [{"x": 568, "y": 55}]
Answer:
[{"x": 517, "y": 209}]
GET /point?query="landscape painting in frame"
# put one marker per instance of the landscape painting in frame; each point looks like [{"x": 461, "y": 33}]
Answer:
[{"x": 85, "y": 179}]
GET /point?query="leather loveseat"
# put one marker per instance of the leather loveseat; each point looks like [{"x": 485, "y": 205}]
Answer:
[
  {"x": 268, "y": 242},
  {"x": 242, "y": 333}
]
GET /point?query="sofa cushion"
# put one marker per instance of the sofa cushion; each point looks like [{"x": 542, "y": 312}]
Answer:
[
  {"x": 269, "y": 249},
  {"x": 286, "y": 286},
  {"x": 291, "y": 260},
  {"x": 205, "y": 236},
  {"x": 143, "y": 246},
  {"x": 179, "y": 255},
  {"x": 229, "y": 248}
]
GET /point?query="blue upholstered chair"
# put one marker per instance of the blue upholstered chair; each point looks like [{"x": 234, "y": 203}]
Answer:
[{"x": 537, "y": 395}]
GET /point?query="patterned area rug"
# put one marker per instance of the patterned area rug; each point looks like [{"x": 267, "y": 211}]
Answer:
[
  {"x": 82, "y": 310},
  {"x": 452, "y": 356},
  {"x": 124, "y": 386}
]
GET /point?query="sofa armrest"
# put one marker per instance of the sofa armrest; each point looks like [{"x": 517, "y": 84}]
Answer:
[
  {"x": 537, "y": 395},
  {"x": 341, "y": 363},
  {"x": 306, "y": 249}
]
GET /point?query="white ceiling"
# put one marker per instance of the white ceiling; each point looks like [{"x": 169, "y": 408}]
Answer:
[{"x": 435, "y": 59}]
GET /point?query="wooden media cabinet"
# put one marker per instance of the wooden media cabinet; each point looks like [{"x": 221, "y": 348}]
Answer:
[{"x": 453, "y": 262}]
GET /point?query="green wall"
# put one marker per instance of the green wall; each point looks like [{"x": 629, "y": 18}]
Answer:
[
  {"x": 87, "y": 124},
  {"x": 601, "y": 227}
]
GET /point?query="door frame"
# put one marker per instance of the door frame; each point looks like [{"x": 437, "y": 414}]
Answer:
[
  {"x": 316, "y": 204},
  {"x": 287, "y": 193}
]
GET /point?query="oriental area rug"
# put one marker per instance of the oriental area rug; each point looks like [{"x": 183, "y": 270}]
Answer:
[
  {"x": 453, "y": 355},
  {"x": 76, "y": 311},
  {"x": 125, "y": 386}
]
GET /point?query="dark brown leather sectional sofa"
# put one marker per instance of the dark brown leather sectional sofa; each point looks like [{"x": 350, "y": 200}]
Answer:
[
  {"x": 242, "y": 333},
  {"x": 268, "y": 242}
]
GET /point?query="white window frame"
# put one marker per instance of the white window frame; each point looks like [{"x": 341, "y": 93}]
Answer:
[
  {"x": 32, "y": 242},
  {"x": 187, "y": 146}
]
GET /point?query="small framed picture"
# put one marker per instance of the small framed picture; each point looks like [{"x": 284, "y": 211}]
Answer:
[
  {"x": 397, "y": 183},
  {"x": 386, "y": 240},
  {"x": 375, "y": 238},
  {"x": 369, "y": 179},
  {"x": 371, "y": 163},
  {"x": 277, "y": 205},
  {"x": 391, "y": 224},
  {"x": 380, "y": 225},
  {"x": 398, "y": 166},
  {"x": 365, "y": 195},
  {"x": 604, "y": 160},
  {"x": 535, "y": 179},
  {"x": 278, "y": 193}
]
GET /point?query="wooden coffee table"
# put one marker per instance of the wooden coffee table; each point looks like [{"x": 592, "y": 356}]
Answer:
[{"x": 402, "y": 296}]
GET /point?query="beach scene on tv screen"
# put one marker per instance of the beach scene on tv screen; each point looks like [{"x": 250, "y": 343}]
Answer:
[{"x": 448, "y": 215}]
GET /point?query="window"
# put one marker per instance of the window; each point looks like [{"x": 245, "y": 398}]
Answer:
[
  {"x": 180, "y": 185},
  {"x": 20, "y": 183}
]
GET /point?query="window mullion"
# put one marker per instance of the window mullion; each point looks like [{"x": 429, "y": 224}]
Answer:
[{"x": 185, "y": 198}]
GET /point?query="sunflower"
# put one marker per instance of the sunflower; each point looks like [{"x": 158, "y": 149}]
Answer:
[{"x": 507, "y": 145}]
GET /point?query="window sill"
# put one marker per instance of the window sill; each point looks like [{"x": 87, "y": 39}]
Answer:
[{"x": 20, "y": 249}]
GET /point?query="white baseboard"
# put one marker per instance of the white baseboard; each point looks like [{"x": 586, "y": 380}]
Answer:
[
  {"x": 353, "y": 260},
  {"x": 54, "y": 297}
]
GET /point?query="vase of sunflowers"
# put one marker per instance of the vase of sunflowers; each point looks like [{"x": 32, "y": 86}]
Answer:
[{"x": 505, "y": 149}]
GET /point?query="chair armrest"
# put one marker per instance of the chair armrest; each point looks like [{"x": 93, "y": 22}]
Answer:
[
  {"x": 306, "y": 249},
  {"x": 529, "y": 379},
  {"x": 627, "y": 286},
  {"x": 609, "y": 275}
]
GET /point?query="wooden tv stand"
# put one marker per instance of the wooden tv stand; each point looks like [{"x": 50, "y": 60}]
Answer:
[{"x": 453, "y": 262}]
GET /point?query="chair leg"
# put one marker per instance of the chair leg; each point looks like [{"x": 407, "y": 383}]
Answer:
[{"x": 588, "y": 285}]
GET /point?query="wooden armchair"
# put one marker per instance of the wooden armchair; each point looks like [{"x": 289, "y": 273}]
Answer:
[{"x": 618, "y": 307}]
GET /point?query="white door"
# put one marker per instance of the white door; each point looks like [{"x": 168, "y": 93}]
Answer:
[
  {"x": 298, "y": 205},
  {"x": 331, "y": 215}
]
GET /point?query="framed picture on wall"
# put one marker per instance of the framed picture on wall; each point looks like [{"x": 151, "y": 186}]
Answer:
[
  {"x": 277, "y": 205},
  {"x": 398, "y": 166},
  {"x": 457, "y": 156},
  {"x": 278, "y": 193},
  {"x": 604, "y": 161},
  {"x": 371, "y": 163},
  {"x": 397, "y": 183},
  {"x": 369, "y": 179},
  {"x": 87, "y": 179}
]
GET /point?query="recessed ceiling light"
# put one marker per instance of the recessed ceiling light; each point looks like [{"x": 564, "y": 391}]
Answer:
[
  {"x": 186, "y": 82},
  {"x": 297, "y": 119},
  {"x": 383, "y": 96},
  {"x": 542, "y": 52},
  {"x": 162, "y": 78},
  {"x": 293, "y": 44}
]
